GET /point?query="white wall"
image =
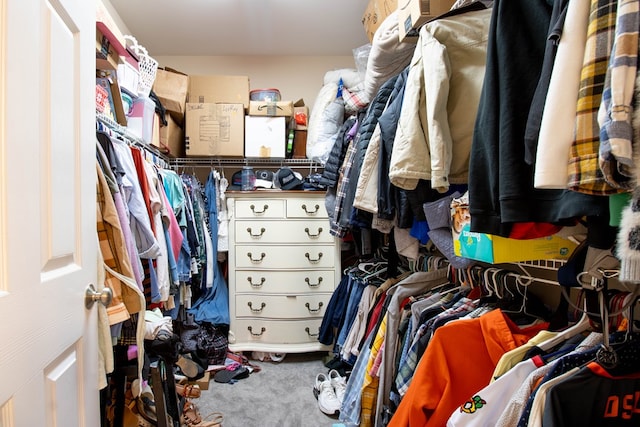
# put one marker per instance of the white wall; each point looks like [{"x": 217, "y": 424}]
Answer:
[{"x": 295, "y": 76}]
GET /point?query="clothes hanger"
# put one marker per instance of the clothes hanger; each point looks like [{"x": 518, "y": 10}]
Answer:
[{"x": 579, "y": 327}]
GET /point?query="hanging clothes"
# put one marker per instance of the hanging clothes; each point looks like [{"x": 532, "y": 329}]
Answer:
[
  {"x": 501, "y": 188},
  {"x": 446, "y": 375}
]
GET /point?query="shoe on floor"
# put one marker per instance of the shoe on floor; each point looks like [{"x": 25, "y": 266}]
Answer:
[
  {"x": 339, "y": 384},
  {"x": 327, "y": 399},
  {"x": 189, "y": 368}
]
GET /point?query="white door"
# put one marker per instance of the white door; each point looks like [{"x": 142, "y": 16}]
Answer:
[{"x": 48, "y": 243}]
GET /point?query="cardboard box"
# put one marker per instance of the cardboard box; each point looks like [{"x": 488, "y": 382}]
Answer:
[
  {"x": 375, "y": 13},
  {"x": 110, "y": 84},
  {"x": 170, "y": 139},
  {"x": 203, "y": 382},
  {"x": 108, "y": 27},
  {"x": 214, "y": 129},
  {"x": 413, "y": 14},
  {"x": 265, "y": 137},
  {"x": 271, "y": 109},
  {"x": 219, "y": 89},
  {"x": 496, "y": 250},
  {"x": 107, "y": 58},
  {"x": 300, "y": 144},
  {"x": 171, "y": 87},
  {"x": 155, "y": 137}
]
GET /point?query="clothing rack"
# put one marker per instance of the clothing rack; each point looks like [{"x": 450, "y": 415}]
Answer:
[{"x": 151, "y": 153}]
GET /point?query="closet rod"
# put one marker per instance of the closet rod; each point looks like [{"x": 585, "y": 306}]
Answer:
[
  {"x": 241, "y": 161},
  {"x": 131, "y": 139}
]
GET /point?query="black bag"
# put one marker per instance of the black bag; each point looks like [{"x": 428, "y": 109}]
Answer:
[{"x": 212, "y": 343}]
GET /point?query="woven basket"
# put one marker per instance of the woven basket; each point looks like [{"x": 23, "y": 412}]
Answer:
[{"x": 147, "y": 66}]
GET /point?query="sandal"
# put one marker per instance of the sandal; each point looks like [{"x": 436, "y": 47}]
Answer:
[
  {"x": 215, "y": 421},
  {"x": 190, "y": 413},
  {"x": 188, "y": 390}
]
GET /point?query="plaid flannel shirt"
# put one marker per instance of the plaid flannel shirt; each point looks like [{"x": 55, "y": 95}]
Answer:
[
  {"x": 614, "y": 116},
  {"x": 584, "y": 171}
]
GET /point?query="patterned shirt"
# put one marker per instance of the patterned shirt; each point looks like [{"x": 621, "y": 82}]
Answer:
[
  {"x": 614, "y": 117},
  {"x": 341, "y": 191},
  {"x": 585, "y": 175}
]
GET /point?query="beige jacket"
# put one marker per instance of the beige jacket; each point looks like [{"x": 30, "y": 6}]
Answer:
[
  {"x": 366, "y": 197},
  {"x": 443, "y": 87}
]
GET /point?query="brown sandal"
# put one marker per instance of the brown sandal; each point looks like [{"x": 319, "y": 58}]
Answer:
[
  {"x": 190, "y": 414},
  {"x": 215, "y": 421},
  {"x": 188, "y": 390}
]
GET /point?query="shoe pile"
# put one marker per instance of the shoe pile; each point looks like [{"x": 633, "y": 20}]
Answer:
[{"x": 330, "y": 390}]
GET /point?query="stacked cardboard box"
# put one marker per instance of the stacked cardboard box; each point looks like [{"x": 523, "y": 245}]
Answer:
[
  {"x": 413, "y": 14},
  {"x": 214, "y": 116}
]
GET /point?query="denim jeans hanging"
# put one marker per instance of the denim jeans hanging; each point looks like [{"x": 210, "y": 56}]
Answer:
[{"x": 213, "y": 305}]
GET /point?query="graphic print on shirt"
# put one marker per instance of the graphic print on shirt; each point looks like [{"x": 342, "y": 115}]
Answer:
[
  {"x": 624, "y": 407},
  {"x": 472, "y": 405}
]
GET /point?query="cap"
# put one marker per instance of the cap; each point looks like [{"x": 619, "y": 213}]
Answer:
[
  {"x": 264, "y": 178},
  {"x": 236, "y": 178},
  {"x": 287, "y": 179}
]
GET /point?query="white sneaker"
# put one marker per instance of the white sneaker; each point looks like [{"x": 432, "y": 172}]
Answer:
[
  {"x": 339, "y": 384},
  {"x": 323, "y": 391}
]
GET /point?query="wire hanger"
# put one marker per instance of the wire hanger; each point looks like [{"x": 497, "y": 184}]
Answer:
[{"x": 580, "y": 326}]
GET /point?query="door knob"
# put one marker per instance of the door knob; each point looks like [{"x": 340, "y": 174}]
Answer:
[{"x": 91, "y": 296}]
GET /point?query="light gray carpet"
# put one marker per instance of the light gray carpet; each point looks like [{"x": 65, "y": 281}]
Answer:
[{"x": 280, "y": 395}]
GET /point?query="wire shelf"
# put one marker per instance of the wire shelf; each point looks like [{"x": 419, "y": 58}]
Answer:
[
  {"x": 226, "y": 161},
  {"x": 545, "y": 264}
]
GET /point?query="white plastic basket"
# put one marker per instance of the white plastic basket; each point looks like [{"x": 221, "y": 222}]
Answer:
[{"x": 147, "y": 66}]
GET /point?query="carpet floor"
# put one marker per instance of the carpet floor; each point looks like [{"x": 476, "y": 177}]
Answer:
[{"x": 280, "y": 395}]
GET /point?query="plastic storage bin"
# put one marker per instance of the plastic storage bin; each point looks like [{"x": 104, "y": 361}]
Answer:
[
  {"x": 269, "y": 95},
  {"x": 140, "y": 120}
]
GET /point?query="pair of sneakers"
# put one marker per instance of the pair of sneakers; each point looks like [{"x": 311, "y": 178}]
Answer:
[{"x": 329, "y": 390}]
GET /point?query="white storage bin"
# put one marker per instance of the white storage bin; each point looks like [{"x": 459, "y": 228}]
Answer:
[{"x": 140, "y": 120}]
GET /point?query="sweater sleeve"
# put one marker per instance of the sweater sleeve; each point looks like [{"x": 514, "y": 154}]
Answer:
[{"x": 628, "y": 247}]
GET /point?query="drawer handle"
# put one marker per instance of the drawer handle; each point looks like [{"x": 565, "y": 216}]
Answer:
[
  {"x": 257, "y": 310},
  {"x": 313, "y": 261},
  {"x": 311, "y": 212},
  {"x": 310, "y": 334},
  {"x": 262, "y": 230},
  {"x": 262, "y": 330},
  {"x": 313, "y": 236},
  {"x": 313, "y": 285},
  {"x": 312, "y": 310},
  {"x": 256, "y": 285},
  {"x": 256, "y": 261},
  {"x": 264, "y": 209}
]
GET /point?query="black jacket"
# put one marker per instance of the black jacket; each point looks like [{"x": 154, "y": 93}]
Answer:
[
  {"x": 368, "y": 124},
  {"x": 336, "y": 156}
]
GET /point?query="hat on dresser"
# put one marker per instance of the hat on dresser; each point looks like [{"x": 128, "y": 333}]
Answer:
[
  {"x": 236, "y": 181},
  {"x": 264, "y": 178},
  {"x": 287, "y": 179}
]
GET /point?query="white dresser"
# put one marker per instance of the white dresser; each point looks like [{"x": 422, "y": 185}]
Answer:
[{"x": 283, "y": 268}]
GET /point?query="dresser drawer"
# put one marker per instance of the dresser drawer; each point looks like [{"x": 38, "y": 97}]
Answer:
[
  {"x": 289, "y": 282},
  {"x": 281, "y": 306},
  {"x": 257, "y": 231},
  {"x": 259, "y": 208},
  {"x": 306, "y": 208},
  {"x": 289, "y": 257},
  {"x": 281, "y": 332}
]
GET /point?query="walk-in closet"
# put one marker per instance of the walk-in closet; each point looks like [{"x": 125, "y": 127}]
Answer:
[{"x": 374, "y": 213}]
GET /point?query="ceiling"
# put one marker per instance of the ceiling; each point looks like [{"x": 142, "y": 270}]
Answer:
[{"x": 245, "y": 27}]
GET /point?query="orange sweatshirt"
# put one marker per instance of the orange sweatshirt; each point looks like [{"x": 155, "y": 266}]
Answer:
[{"x": 458, "y": 361}]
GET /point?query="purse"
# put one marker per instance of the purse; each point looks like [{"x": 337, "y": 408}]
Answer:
[{"x": 212, "y": 343}]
